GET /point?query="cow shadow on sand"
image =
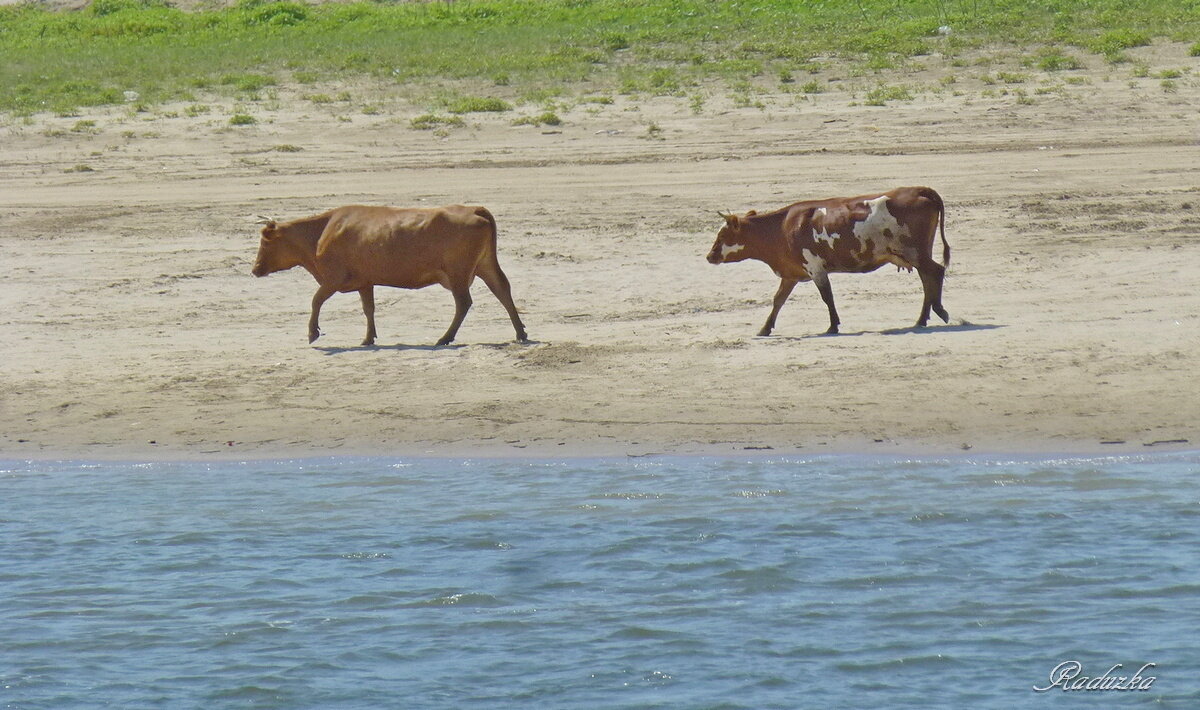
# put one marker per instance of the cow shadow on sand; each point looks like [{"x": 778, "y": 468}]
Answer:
[
  {"x": 961, "y": 327},
  {"x": 403, "y": 347}
]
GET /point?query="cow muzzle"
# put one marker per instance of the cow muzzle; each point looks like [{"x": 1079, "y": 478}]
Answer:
[
  {"x": 715, "y": 256},
  {"x": 259, "y": 270}
]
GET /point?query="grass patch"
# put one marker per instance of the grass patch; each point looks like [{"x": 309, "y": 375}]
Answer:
[
  {"x": 478, "y": 104},
  {"x": 247, "y": 82},
  {"x": 1112, "y": 43},
  {"x": 429, "y": 121},
  {"x": 242, "y": 119},
  {"x": 1012, "y": 77},
  {"x": 1054, "y": 60},
  {"x": 62, "y": 61},
  {"x": 548, "y": 118},
  {"x": 287, "y": 148},
  {"x": 880, "y": 95}
]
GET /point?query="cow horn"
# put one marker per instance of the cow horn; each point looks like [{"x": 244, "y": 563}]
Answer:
[{"x": 264, "y": 220}]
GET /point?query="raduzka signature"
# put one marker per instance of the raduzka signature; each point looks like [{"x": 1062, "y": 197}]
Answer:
[{"x": 1068, "y": 675}]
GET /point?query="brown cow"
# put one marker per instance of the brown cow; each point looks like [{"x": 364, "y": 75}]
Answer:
[
  {"x": 356, "y": 248},
  {"x": 809, "y": 240}
]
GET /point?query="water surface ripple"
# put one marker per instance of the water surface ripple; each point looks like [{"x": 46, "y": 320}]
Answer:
[{"x": 827, "y": 582}]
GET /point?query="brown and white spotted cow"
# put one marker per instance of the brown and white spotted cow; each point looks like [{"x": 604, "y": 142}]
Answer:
[{"x": 809, "y": 240}]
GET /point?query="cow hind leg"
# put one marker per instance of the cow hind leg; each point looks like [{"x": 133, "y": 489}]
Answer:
[
  {"x": 932, "y": 276},
  {"x": 781, "y": 297},
  {"x": 497, "y": 282},
  {"x": 462, "y": 304},
  {"x": 322, "y": 295},
  {"x": 368, "y": 303},
  {"x": 822, "y": 282}
]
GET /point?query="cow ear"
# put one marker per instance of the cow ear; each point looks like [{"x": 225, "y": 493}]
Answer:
[
  {"x": 751, "y": 213},
  {"x": 731, "y": 220}
]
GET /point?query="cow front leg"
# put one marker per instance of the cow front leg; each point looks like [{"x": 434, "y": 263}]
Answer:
[
  {"x": 822, "y": 282},
  {"x": 781, "y": 297},
  {"x": 368, "y": 303},
  {"x": 462, "y": 304},
  {"x": 322, "y": 295}
]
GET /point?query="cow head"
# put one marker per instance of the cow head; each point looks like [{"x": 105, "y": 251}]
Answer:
[
  {"x": 730, "y": 245},
  {"x": 274, "y": 251}
]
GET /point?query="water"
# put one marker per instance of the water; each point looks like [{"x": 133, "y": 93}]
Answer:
[{"x": 836, "y": 582}]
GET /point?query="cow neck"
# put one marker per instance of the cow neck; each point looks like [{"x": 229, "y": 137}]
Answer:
[
  {"x": 766, "y": 241},
  {"x": 304, "y": 234}
]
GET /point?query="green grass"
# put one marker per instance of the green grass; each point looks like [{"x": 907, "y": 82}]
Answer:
[
  {"x": 60, "y": 61},
  {"x": 478, "y": 104},
  {"x": 547, "y": 118},
  {"x": 1056, "y": 60},
  {"x": 880, "y": 95},
  {"x": 1012, "y": 77},
  {"x": 429, "y": 121}
]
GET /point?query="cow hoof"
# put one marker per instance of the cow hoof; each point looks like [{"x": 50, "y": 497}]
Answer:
[
  {"x": 442, "y": 342},
  {"x": 312, "y": 337},
  {"x": 764, "y": 332},
  {"x": 368, "y": 343},
  {"x": 833, "y": 330}
]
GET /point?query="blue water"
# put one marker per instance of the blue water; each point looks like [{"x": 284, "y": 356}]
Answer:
[{"x": 835, "y": 582}]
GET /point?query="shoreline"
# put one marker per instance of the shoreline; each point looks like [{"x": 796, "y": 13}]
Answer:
[
  {"x": 542, "y": 452},
  {"x": 129, "y": 314}
]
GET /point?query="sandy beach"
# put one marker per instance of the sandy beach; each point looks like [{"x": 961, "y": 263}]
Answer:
[{"x": 133, "y": 329}]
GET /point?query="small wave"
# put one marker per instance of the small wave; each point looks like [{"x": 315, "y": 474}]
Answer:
[
  {"x": 938, "y": 517},
  {"x": 760, "y": 493},
  {"x": 640, "y": 633},
  {"x": 930, "y": 661},
  {"x": 464, "y": 599},
  {"x": 1176, "y": 590}
]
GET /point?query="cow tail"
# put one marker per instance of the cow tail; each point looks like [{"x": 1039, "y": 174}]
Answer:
[
  {"x": 486, "y": 214},
  {"x": 931, "y": 195},
  {"x": 945, "y": 244}
]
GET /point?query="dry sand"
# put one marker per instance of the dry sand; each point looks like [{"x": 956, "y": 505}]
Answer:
[{"x": 132, "y": 327}]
